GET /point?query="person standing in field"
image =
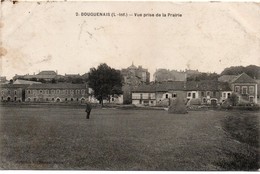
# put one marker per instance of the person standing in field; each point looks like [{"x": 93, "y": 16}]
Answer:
[{"x": 88, "y": 109}]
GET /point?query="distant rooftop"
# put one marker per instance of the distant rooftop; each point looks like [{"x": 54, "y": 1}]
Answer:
[{"x": 243, "y": 78}]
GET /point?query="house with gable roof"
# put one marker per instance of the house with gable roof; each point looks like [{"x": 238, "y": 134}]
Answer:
[{"x": 245, "y": 87}]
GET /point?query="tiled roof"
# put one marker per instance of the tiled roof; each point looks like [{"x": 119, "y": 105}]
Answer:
[
  {"x": 173, "y": 85},
  {"x": 47, "y": 73},
  {"x": 243, "y": 78},
  {"x": 206, "y": 85},
  {"x": 145, "y": 88},
  {"x": 45, "y": 76},
  {"x": 14, "y": 85},
  {"x": 226, "y": 78},
  {"x": 57, "y": 86},
  {"x": 19, "y": 81}
]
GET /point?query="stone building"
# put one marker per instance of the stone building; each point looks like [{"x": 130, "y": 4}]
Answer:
[
  {"x": 13, "y": 92},
  {"x": 132, "y": 77},
  {"x": 61, "y": 92}
]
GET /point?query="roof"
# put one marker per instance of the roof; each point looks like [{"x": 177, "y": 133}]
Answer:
[
  {"x": 206, "y": 85},
  {"x": 19, "y": 81},
  {"x": 47, "y": 73},
  {"x": 226, "y": 78},
  {"x": 243, "y": 78},
  {"x": 172, "y": 85},
  {"x": 14, "y": 85},
  {"x": 57, "y": 86},
  {"x": 160, "y": 87}
]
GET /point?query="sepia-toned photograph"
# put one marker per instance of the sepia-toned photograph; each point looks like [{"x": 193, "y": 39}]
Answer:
[{"x": 129, "y": 86}]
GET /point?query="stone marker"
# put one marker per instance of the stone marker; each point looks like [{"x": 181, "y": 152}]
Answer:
[{"x": 177, "y": 106}]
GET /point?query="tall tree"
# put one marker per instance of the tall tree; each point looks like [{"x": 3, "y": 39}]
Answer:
[{"x": 105, "y": 81}]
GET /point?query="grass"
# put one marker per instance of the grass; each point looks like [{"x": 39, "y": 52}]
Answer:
[
  {"x": 243, "y": 127},
  {"x": 53, "y": 137}
]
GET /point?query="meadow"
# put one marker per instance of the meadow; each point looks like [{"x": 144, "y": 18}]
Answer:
[{"x": 53, "y": 137}]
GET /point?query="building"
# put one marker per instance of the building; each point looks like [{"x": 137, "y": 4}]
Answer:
[
  {"x": 245, "y": 87},
  {"x": 207, "y": 92},
  {"x": 41, "y": 76},
  {"x": 203, "y": 92},
  {"x": 157, "y": 94},
  {"x": 61, "y": 92},
  {"x": 132, "y": 77},
  {"x": 135, "y": 75},
  {"x": 3, "y": 80},
  {"x": 13, "y": 92},
  {"x": 162, "y": 75}
]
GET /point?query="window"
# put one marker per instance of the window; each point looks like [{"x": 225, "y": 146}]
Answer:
[
  {"x": 251, "y": 89},
  {"x": 228, "y": 95},
  {"x": 2, "y": 98},
  {"x": 29, "y": 92},
  {"x": 47, "y": 99},
  {"x": 15, "y": 92},
  {"x": 214, "y": 93},
  {"x": 151, "y": 102},
  {"x": 189, "y": 94},
  {"x": 34, "y": 99},
  {"x": 82, "y": 91},
  {"x": 57, "y": 91},
  {"x": 174, "y": 95},
  {"x": 149, "y": 96},
  {"x": 52, "y": 99},
  {"x": 237, "y": 88},
  {"x": 40, "y": 91},
  {"x": 251, "y": 99},
  {"x": 71, "y": 91},
  {"x": 224, "y": 95},
  {"x": 78, "y": 91},
  {"x": 141, "y": 96},
  {"x": 9, "y": 92},
  {"x": 202, "y": 94},
  {"x": 52, "y": 91},
  {"x": 15, "y": 98},
  {"x": 71, "y": 99},
  {"x": 208, "y": 93},
  {"x": 66, "y": 99},
  {"x": 244, "y": 90},
  {"x": 166, "y": 95},
  {"x": 193, "y": 95}
]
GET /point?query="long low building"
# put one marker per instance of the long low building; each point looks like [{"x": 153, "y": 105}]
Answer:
[{"x": 61, "y": 92}]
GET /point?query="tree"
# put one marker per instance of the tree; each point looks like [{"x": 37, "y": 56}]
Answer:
[
  {"x": 203, "y": 76},
  {"x": 251, "y": 70},
  {"x": 233, "y": 99},
  {"x": 105, "y": 81}
]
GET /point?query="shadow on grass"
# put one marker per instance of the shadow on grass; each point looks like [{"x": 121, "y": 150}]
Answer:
[
  {"x": 243, "y": 127},
  {"x": 240, "y": 161}
]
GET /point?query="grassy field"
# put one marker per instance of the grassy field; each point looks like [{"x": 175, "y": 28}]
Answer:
[{"x": 53, "y": 137}]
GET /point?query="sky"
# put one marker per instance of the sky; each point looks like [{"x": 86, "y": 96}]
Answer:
[{"x": 49, "y": 36}]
